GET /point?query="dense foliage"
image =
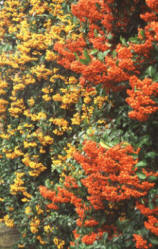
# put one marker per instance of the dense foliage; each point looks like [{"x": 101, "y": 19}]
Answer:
[{"x": 78, "y": 123}]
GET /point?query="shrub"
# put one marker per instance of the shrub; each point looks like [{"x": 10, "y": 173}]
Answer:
[{"x": 71, "y": 73}]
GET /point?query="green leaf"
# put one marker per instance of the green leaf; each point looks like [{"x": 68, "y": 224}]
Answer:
[
  {"x": 106, "y": 146},
  {"x": 76, "y": 55},
  {"x": 134, "y": 40},
  {"x": 141, "y": 164},
  {"x": 87, "y": 58},
  {"x": 117, "y": 62},
  {"x": 114, "y": 54},
  {"x": 141, "y": 175},
  {"x": 144, "y": 140},
  {"x": 42, "y": 58},
  {"x": 94, "y": 51},
  {"x": 109, "y": 36},
  {"x": 102, "y": 55},
  {"x": 105, "y": 53},
  {"x": 151, "y": 154},
  {"x": 85, "y": 62},
  {"x": 152, "y": 178},
  {"x": 75, "y": 20},
  {"x": 109, "y": 247},
  {"x": 151, "y": 205},
  {"x": 47, "y": 183},
  {"x": 153, "y": 240},
  {"x": 86, "y": 55},
  {"x": 7, "y": 47},
  {"x": 142, "y": 32},
  {"x": 105, "y": 236},
  {"x": 95, "y": 33},
  {"x": 123, "y": 41},
  {"x": 79, "y": 183},
  {"x": 155, "y": 78},
  {"x": 151, "y": 71},
  {"x": 98, "y": 6},
  {"x": 135, "y": 89},
  {"x": 128, "y": 243}
]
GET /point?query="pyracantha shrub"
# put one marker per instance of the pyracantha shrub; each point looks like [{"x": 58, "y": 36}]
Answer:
[{"x": 104, "y": 194}]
